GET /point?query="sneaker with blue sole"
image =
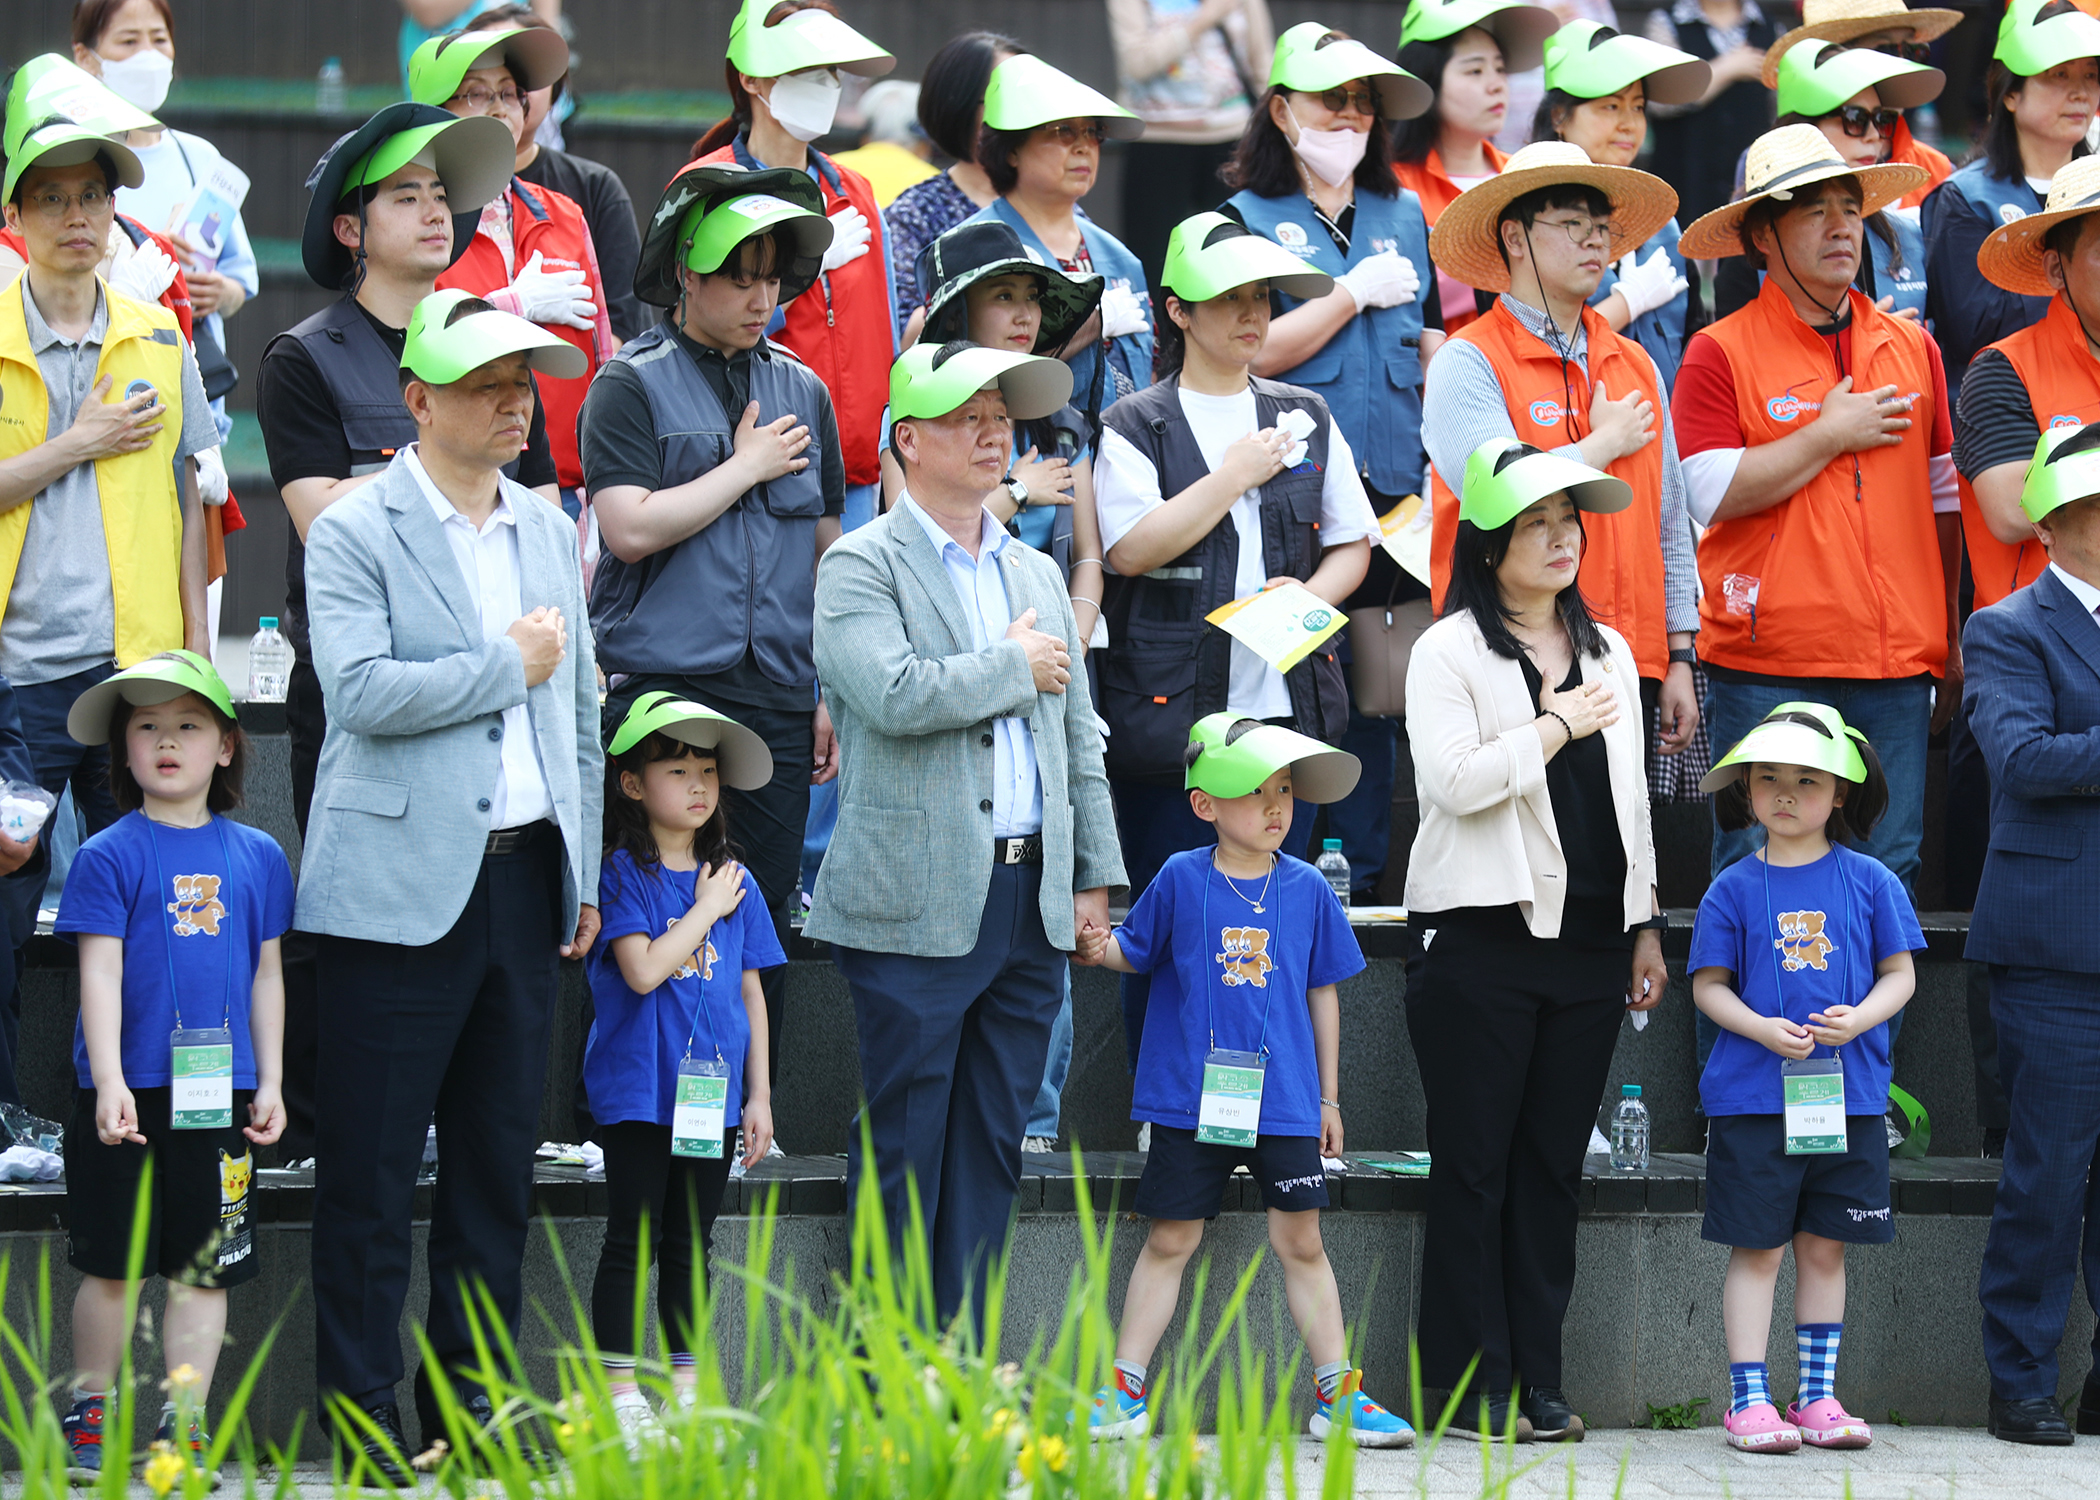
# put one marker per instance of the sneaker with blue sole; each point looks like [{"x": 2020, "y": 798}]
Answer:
[
  {"x": 1119, "y": 1411},
  {"x": 1369, "y": 1425},
  {"x": 82, "y": 1426}
]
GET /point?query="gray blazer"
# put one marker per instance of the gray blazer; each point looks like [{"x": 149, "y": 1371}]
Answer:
[
  {"x": 911, "y": 860},
  {"x": 415, "y": 699}
]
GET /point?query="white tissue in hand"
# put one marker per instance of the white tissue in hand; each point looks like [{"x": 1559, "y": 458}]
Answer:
[
  {"x": 22, "y": 817},
  {"x": 1299, "y": 423}
]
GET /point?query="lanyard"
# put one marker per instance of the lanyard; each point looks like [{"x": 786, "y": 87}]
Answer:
[
  {"x": 700, "y": 1015},
  {"x": 167, "y": 929},
  {"x": 1210, "y": 964}
]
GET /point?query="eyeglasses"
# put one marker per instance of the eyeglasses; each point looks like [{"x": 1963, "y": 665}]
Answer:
[
  {"x": 1341, "y": 101},
  {"x": 1857, "y": 117},
  {"x": 479, "y": 96},
  {"x": 1582, "y": 230},
  {"x": 1066, "y": 134},
  {"x": 54, "y": 204}
]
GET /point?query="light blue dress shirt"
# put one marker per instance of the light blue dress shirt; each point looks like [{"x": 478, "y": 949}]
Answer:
[{"x": 1017, "y": 791}]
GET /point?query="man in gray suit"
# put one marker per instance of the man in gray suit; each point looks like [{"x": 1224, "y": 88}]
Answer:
[
  {"x": 975, "y": 830},
  {"x": 451, "y": 855}
]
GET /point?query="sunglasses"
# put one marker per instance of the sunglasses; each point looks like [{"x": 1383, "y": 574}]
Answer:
[
  {"x": 1856, "y": 118},
  {"x": 1341, "y": 101},
  {"x": 1068, "y": 135}
]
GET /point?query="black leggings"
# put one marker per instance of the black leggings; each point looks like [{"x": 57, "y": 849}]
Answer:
[{"x": 678, "y": 1193}]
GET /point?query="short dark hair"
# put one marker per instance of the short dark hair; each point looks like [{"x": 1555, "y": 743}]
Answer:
[
  {"x": 225, "y": 792},
  {"x": 1525, "y": 208},
  {"x": 994, "y": 147},
  {"x": 1414, "y": 139},
  {"x": 1264, "y": 164},
  {"x": 2064, "y": 234},
  {"x": 502, "y": 17},
  {"x": 103, "y": 159},
  {"x": 91, "y": 19},
  {"x": 1850, "y": 821},
  {"x": 1475, "y": 556},
  {"x": 951, "y": 89}
]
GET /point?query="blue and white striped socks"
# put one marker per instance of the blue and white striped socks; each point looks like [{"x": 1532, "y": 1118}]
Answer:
[
  {"x": 1819, "y": 1360},
  {"x": 1751, "y": 1385}
]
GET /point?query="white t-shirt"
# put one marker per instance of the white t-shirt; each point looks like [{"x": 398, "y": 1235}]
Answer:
[{"x": 1127, "y": 489}]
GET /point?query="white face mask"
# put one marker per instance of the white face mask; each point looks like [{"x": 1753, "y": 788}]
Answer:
[
  {"x": 804, "y": 103},
  {"x": 141, "y": 79},
  {"x": 1330, "y": 155}
]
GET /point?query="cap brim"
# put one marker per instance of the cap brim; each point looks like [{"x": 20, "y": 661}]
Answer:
[
  {"x": 1031, "y": 385},
  {"x": 1535, "y": 476},
  {"x": 1521, "y": 32},
  {"x": 1666, "y": 75},
  {"x": 51, "y": 85},
  {"x": 1463, "y": 243},
  {"x": 1243, "y": 259},
  {"x": 1319, "y": 772},
  {"x": 1401, "y": 95},
  {"x": 477, "y": 151},
  {"x": 1898, "y": 84},
  {"x": 1925, "y": 26},
  {"x": 1035, "y": 93},
  {"x": 450, "y": 354},
  {"x": 809, "y": 38},
  {"x": 740, "y": 755},
  {"x": 656, "y": 269},
  {"x": 1785, "y": 745},
  {"x": 1718, "y": 234},
  {"x": 87, "y": 721},
  {"x": 70, "y": 146}
]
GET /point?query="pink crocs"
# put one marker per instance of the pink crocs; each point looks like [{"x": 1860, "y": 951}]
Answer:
[
  {"x": 1825, "y": 1424},
  {"x": 1760, "y": 1429}
]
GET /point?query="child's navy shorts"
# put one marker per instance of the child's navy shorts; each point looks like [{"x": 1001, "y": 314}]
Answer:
[
  {"x": 1185, "y": 1179},
  {"x": 200, "y": 1229},
  {"x": 1758, "y": 1197}
]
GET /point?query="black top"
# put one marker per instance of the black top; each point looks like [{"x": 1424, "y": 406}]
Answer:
[
  {"x": 1996, "y": 424},
  {"x": 598, "y": 191},
  {"x": 1578, "y": 779},
  {"x": 305, "y": 440}
]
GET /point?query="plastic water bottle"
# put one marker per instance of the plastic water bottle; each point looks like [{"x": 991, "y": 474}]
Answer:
[
  {"x": 331, "y": 97},
  {"x": 1334, "y": 865},
  {"x": 269, "y": 663},
  {"x": 1629, "y": 1131}
]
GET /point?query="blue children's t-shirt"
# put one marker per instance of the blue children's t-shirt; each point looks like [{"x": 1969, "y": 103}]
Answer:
[
  {"x": 194, "y": 907},
  {"x": 1219, "y": 968},
  {"x": 1798, "y": 938},
  {"x": 630, "y": 1064}
]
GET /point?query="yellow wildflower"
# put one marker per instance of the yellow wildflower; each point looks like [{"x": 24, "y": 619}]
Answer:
[
  {"x": 1045, "y": 1450},
  {"x": 164, "y": 1469},
  {"x": 181, "y": 1378}
]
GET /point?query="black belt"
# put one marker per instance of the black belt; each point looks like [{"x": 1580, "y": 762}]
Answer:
[
  {"x": 511, "y": 840},
  {"x": 1025, "y": 850}
]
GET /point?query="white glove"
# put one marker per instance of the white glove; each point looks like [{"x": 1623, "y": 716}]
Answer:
[
  {"x": 1649, "y": 286},
  {"x": 146, "y": 273},
  {"x": 850, "y": 235},
  {"x": 1387, "y": 279},
  {"x": 1122, "y": 313},
  {"x": 546, "y": 296},
  {"x": 212, "y": 487}
]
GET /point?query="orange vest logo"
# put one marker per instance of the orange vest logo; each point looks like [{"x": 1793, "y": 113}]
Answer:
[
  {"x": 197, "y": 906},
  {"x": 1802, "y": 943},
  {"x": 1246, "y": 956}
]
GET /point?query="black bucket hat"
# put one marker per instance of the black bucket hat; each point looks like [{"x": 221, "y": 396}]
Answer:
[
  {"x": 656, "y": 272},
  {"x": 968, "y": 253},
  {"x": 468, "y": 150}
]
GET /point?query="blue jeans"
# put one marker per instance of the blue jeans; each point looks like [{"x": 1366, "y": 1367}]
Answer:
[{"x": 1049, "y": 1099}]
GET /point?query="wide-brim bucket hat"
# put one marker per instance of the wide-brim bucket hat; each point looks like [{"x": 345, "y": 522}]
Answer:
[
  {"x": 1589, "y": 60},
  {"x": 1817, "y": 77},
  {"x": 1232, "y": 766},
  {"x": 157, "y": 679},
  {"x": 809, "y": 38},
  {"x": 536, "y": 57},
  {"x": 51, "y": 88},
  {"x": 741, "y": 757},
  {"x": 931, "y": 380},
  {"x": 696, "y": 186},
  {"x": 978, "y": 249},
  {"x": 1208, "y": 255},
  {"x": 1503, "y": 476},
  {"x": 473, "y": 157},
  {"x": 2065, "y": 467},
  {"x": 1848, "y": 20},
  {"x": 2012, "y": 256},
  {"x": 446, "y": 340},
  {"x": 1466, "y": 243},
  {"x": 1312, "y": 58},
  {"x": 1025, "y": 92},
  {"x": 1781, "y": 163},
  {"x": 1794, "y": 734},
  {"x": 1519, "y": 30},
  {"x": 2037, "y": 35}
]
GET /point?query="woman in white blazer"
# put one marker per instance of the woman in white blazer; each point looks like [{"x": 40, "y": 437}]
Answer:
[{"x": 1532, "y": 921}]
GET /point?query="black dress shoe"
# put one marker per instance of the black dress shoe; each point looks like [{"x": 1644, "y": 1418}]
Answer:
[
  {"x": 486, "y": 1439},
  {"x": 375, "y": 1454},
  {"x": 2036, "y": 1420},
  {"x": 1552, "y": 1420},
  {"x": 2089, "y": 1405},
  {"x": 1993, "y": 1143},
  {"x": 1486, "y": 1418}
]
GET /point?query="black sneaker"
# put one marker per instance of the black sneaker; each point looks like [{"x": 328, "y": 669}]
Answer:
[
  {"x": 2035, "y": 1420},
  {"x": 1993, "y": 1143},
  {"x": 1488, "y": 1419},
  {"x": 1552, "y": 1420},
  {"x": 376, "y": 1454},
  {"x": 486, "y": 1438},
  {"x": 2089, "y": 1405}
]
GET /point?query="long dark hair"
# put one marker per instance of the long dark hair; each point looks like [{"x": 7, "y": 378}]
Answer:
[
  {"x": 738, "y": 120},
  {"x": 627, "y": 821},
  {"x": 2001, "y": 133},
  {"x": 951, "y": 89},
  {"x": 124, "y": 788},
  {"x": 1264, "y": 164},
  {"x": 1474, "y": 558},
  {"x": 1414, "y": 139},
  {"x": 1850, "y": 821}
]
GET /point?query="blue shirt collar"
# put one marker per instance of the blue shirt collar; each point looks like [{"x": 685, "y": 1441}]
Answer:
[{"x": 992, "y": 539}]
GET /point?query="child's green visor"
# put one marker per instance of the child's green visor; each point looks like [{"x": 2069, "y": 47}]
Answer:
[
  {"x": 154, "y": 680},
  {"x": 740, "y": 755},
  {"x": 1319, "y": 772},
  {"x": 1795, "y": 734}
]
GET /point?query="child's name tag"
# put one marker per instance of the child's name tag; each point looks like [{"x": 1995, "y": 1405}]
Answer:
[
  {"x": 1815, "y": 1106},
  {"x": 1230, "y": 1113},
  {"x": 202, "y": 1079},
  {"x": 702, "y": 1106}
]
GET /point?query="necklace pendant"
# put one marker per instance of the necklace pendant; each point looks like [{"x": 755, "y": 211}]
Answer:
[{"x": 1257, "y": 906}]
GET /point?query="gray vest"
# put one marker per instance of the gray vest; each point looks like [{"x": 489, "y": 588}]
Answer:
[{"x": 745, "y": 582}]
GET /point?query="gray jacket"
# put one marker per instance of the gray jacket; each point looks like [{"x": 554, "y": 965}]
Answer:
[
  {"x": 415, "y": 703},
  {"x": 911, "y": 860}
]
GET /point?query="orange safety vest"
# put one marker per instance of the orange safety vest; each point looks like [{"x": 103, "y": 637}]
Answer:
[
  {"x": 2063, "y": 386},
  {"x": 1428, "y": 180},
  {"x": 1622, "y": 567},
  {"x": 1843, "y": 578},
  {"x": 1907, "y": 148}
]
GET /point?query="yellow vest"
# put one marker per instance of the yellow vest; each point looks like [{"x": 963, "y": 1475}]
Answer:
[{"x": 141, "y": 508}]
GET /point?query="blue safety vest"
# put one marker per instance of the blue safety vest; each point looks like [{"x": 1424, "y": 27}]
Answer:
[
  {"x": 1660, "y": 332},
  {"x": 1381, "y": 418}
]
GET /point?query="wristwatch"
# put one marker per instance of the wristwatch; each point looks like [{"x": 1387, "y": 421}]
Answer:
[
  {"x": 1017, "y": 490},
  {"x": 1683, "y": 654}
]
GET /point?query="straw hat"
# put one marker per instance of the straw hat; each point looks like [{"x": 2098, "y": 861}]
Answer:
[
  {"x": 1782, "y": 162},
  {"x": 1464, "y": 242},
  {"x": 2012, "y": 256},
  {"x": 1848, "y": 20}
]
